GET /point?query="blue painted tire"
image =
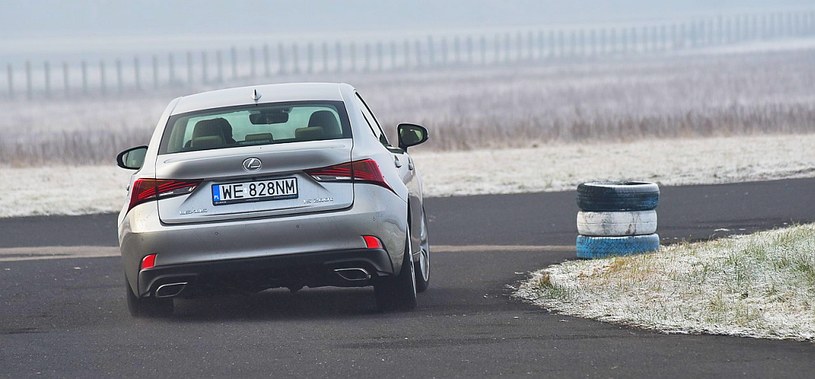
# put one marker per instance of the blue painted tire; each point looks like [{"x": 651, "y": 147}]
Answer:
[
  {"x": 617, "y": 196},
  {"x": 603, "y": 247}
]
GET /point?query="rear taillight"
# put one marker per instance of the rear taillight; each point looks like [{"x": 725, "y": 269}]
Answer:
[
  {"x": 153, "y": 189},
  {"x": 366, "y": 171}
]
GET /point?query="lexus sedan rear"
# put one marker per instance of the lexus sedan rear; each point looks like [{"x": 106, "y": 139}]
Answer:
[{"x": 285, "y": 185}]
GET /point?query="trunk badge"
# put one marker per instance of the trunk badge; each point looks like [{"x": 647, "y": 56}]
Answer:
[{"x": 252, "y": 164}]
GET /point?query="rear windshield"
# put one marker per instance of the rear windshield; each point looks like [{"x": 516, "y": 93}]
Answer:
[{"x": 262, "y": 124}]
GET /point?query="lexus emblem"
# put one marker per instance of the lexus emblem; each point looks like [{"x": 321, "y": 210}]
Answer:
[{"x": 252, "y": 164}]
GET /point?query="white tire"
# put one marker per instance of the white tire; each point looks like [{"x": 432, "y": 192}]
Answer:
[{"x": 615, "y": 224}]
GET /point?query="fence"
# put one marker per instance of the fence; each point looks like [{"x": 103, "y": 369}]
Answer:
[{"x": 140, "y": 73}]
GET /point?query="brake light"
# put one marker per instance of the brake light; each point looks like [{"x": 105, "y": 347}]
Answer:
[
  {"x": 149, "y": 261},
  {"x": 366, "y": 171},
  {"x": 372, "y": 242},
  {"x": 145, "y": 190}
]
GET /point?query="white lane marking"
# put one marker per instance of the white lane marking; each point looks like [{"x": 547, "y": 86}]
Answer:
[
  {"x": 56, "y": 252},
  {"x": 70, "y": 252},
  {"x": 501, "y": 248}
]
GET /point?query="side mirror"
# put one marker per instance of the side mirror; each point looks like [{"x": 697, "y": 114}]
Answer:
[
  {"x": 411, "y": 135},
  {"x": 132, "y": 159}
]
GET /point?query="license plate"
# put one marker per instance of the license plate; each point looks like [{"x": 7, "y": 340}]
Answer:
[{"x": 261, "y": 190}]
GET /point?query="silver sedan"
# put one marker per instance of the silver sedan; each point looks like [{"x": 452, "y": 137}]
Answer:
[{"x": 285, "y": 185}]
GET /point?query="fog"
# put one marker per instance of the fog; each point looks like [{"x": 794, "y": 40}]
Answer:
[{"x": 111, "y": 18}]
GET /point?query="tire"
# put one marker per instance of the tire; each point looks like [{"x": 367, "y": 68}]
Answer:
[
  {"x": 611, "y": 224},
  {"x": 147, "y": 306},
  {"x": 422, "y": 267},
  {"x": 617, "y": 196},
  {"x": 398, "y": 292},
  {"x": 602, "y": 247}
]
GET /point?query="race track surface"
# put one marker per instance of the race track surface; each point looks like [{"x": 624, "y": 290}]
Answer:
[{"x": 67, "y": 316}]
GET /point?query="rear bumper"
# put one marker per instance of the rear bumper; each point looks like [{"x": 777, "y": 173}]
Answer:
[
  {"x": 255, "y": 274},
  {"x": 263, "y": 239}
]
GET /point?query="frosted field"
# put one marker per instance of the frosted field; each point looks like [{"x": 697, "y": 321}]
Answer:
[
  {"x": 718, "y": 93},
  {"x": 101, "y": 188},
  {"x": 756, "y": 285}
]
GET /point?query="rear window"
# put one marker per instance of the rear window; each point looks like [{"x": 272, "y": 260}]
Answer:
[{"x": 262, "y": 124}]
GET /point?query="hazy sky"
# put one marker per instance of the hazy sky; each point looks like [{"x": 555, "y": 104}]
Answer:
[{"x": 111, "y": 18}]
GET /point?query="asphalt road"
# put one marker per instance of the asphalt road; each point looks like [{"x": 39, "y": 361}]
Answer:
[{"x": 67, "y": 317}]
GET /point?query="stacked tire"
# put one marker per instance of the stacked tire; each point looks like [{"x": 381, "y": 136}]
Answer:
[{"x": 616, "y": 218}]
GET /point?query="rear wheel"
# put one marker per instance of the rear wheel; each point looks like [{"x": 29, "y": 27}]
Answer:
[
  {"x": 422, "y": 267},
  {"x": 147, "y": 306},
  {"x": 399, "y": 292}
]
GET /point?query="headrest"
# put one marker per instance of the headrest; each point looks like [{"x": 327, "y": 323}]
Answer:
[
  {"x": 213, "y": 127},
  {"x": 326, "y": 120},
  {"x": 308, "y": 134}
]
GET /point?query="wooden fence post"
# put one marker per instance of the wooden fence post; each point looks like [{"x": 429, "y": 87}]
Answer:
[
  {"x": 266, "y": 67},
  {"x": 418, "y": 46},
  {"x": 483, "y": 43},
  {"x": 171, "y": 69},
  {"x": 444, "y": 51},
  {"x": 281, "y": 57},
  {"x": 530, "y": 45},
  {"x": 119, "y": 84},
  {"x": 219, "y": 65},
  {"x": 581, "y": 43},
  {"x": 252, "y": 63},
  {"x": 431, "y": 57},
  {"x": 325, "y": 56},
  {"x": 394, "y": 55},
  {"x": 29, "y": 91},
  {"x": 47, "y": 73},
  {"x": 367, "y": 58},
  {"x": 155, "y": 72},
  {"x": 189, "y": 68},
  {"x": 353, "y": 56},
  {"x": 519, "y": 47},
  {"x": 65, "y": 83},
  {"x": 102, "y": 80},
  {"x": 295, "y": 58},
  {"x": 338, "y": 58},
  {"x": 204, "y": 68},
  {"x": 84, "y": 66},
  {"x": 233, "y": 57},
  {"x": 507, "y": 47},
  {"x": 10, "y": 77},
  {"x": 470, "y": 51},
  {"x": 456, "y": 50},
  {"x": 406, "y": 58},
  {"x": 310, "y": 57},
  {"x": 496, "y": 52},
  {"x": 379, "y": 53}
]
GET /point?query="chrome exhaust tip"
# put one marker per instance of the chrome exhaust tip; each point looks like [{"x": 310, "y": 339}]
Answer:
[
  {"x": 353, "y": 274},
  {"x": 170, "y": 289}
]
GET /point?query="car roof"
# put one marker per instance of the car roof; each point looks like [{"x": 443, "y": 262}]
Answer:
[{"x": 269, "y": 93}]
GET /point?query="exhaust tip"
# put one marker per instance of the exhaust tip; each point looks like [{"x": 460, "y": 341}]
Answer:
[
  {"x": 353, "y": 274},
  {"x": 170, "y": 290}
]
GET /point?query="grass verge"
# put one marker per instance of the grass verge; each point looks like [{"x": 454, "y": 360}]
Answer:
[{"x": 760, "y": 285}]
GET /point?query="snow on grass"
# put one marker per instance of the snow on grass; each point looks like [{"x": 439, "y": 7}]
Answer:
[
  {"x": 94, "y": 189},
  {"x": 62, "y": 190},
  {"x": 759, "y": 285},
  {"x": 560, "y": 167}
]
